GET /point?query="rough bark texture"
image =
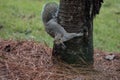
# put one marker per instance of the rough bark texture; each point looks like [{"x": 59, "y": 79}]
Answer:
[{"x": 77, "y": 16}]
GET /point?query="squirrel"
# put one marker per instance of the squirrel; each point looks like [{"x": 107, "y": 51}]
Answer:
[{"x": 52, "y": 27}]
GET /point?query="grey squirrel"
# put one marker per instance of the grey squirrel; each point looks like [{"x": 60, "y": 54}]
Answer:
[{"x": 52, "y": 27}]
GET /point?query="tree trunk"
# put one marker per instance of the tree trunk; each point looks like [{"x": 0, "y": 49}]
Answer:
[{"x": 76, "y": 16}]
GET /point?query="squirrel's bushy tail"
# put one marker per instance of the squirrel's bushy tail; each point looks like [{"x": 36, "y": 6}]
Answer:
[{"x": 49, "y": 11}]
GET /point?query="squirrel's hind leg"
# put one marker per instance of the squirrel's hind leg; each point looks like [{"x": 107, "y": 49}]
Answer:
[
  {"x": 79, "y": 34},
  {"x": 71, "y": 36}
]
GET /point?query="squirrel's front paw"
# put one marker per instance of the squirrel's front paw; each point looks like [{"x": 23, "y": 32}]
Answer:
[{"x": 63, "y": 46}]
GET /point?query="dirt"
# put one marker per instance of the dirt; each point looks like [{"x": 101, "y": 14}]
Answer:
[{"x": 29, "y": 60}]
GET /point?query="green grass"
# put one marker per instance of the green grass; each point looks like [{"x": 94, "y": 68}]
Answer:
[
  {"x": 107, "y": 27},
  {"x": 21, "y": 20}
]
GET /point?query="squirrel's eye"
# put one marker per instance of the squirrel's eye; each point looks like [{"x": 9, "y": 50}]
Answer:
[{"x": 59, "y": 39}]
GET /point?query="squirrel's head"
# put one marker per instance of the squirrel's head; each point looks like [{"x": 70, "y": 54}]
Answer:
[{"x": 58, "y": 39}]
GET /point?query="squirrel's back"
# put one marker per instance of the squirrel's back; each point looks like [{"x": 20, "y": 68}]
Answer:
[{"x": 49, "y": 11}]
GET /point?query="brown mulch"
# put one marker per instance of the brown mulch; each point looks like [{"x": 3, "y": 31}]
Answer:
[{"x": 29, "y": 60}]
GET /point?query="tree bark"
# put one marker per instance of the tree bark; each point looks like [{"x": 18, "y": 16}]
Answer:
[{"x": 76, "y": 16}]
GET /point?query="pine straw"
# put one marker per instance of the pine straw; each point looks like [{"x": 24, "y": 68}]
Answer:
[{"x": 29, "y": 60}]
